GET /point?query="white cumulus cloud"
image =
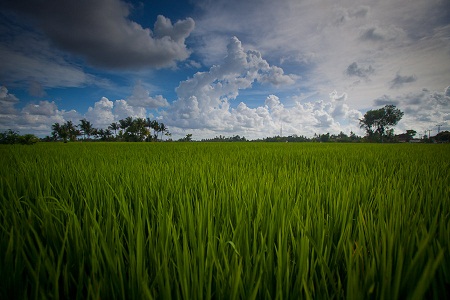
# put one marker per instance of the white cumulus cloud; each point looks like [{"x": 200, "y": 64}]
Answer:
[
  {"x": 204, "y": 100},
  {"x": 141, "y": 97}
]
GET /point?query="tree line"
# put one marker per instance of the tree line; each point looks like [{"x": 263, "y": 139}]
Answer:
[
  {"x": 341, "y": 137},
  {"x": 13, "y": 137},
  {"x": 378, "y": 124},
  {"x": 128, "y": 130}
]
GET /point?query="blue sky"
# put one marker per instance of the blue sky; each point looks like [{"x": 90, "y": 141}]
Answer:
[{"x": 224, "y": 67}]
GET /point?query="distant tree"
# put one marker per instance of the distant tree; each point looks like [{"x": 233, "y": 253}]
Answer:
[
  {"x": 324, "y": 137},
  {"x": 378, "y": 122},
  {"x": 28, "y": 139},
  {"x": 9, "y": 137},
  {"x": 72, "y": 131},
  {"x": 104, "y": 134},
  {"x": 56, "y": 129},
  {"x": 187, "y": 138},
  {"x": 148, "y": 125},
  {"x": 86, "y": 128},
  {"x": 342, "y": 137},
  {"x": 443, "y": 136},
  {"x": 389, "y": 136},
  {"x": 66, "y": 131},
  {"x": 59, "y": 132},
  {"x": 162, "y": 128},
  {"x": 411, "y": 133},
  {"x": 155, "y": 126},
  {"x": 47, "y": 138},
  {"x": 135, "y": 130},
  {"x": 125, "y": 123},
  {"x": 140, "y": 130},
  {"x": 13, "y": 137},
  {"x": 114, "y": 126}
]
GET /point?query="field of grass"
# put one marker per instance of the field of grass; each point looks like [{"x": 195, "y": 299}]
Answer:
[{"x": 224, "y": 221}]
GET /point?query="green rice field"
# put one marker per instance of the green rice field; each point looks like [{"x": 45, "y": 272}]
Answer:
[{"x": 224, "y": 221}]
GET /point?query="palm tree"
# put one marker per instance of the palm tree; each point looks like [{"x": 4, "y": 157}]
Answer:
[
  {"x": 125, "y": 123},
  {"x": 155, "y": 126},
  {"x": 56, "y": 130},
  {"x": 140, "y": 128},
  {"x": 129, "y": 120},
  {"x": 148, "y": 124},
  {"x": 72, "y": 132},
  {"x": 162, "y": 129},
  {"x": 60, "y": 131},
  {"x": 104, "y": 134},
  {"x": 87, "y": 128},
  {"x": 114, "y": 126},
  {"x": 108, "y": 133}
]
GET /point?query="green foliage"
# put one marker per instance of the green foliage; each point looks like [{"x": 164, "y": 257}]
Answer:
[
  {"x": 187, "y": 138},
  {"x": 9, "y": 137},
  {"x": 28, "y": 139},
  {"x": 224, "y": 221},
  {"x": 221, "y": 138},
  {"x": 130, "y": 130},
  {"x": 66, "y": 132},
  {"x": 443, "y": 136},
  {"x": 87, "y": 128},
  {"x": 411, "y": 133},
  {"x": 13, "y": 137},
  {"x": 377, "y": 122}
]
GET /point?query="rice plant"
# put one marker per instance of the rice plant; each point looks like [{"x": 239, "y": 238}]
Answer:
[{"x": 224, "y": 220}]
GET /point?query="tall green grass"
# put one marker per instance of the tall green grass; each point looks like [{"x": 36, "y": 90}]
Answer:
[{"x": 224, "y": 220}]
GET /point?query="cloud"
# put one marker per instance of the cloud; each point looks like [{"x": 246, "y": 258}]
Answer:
[
  {"x": 205, "y": 102},
  {"x": 370, "y": 34},
  {"x": 442, "y": 99},
  {"x": 122, "y": 110},
  {"x": 32, "y": 118},
  {"x": 178, "y": 32},
  {"x": 277, "y": 77},
  {"x": 141, "y": 98},
  {"x": 101, "y": 32},
  {"x": 101, "y": 114},
  {"x": 318, "y": 40},
  {"x": 423, "y": 109},
  {"x": 335, "y": 97},
  {"x": 7, "y": 102},
  {"x": 209, "y": 93},
  {"x": 44, "y": 108},
  {"x": 347, "y": 14},
  {"x": 354, "y": 70},
  {"x": 29, "y": 60},
  {"x": 40, "y": 69},
  {"x": 106, "y": 112},
  {"x": 385, "y": 100},
  {"x": 382, "y": 33},
  {"x": 399, "y": 80},
  {"x": 359, "y": 12},
  {"x": 37, "y": 118}
]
